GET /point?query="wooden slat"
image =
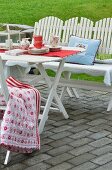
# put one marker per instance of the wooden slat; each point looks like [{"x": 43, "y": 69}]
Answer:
[
  {"x": 109, "y": 37},
  {"x": 79, "y": 31},
  {"x": 89, "y": 29},
  {"x": 104, "y": 50},
  {"x": 69, "y": 28},
  {"x": 48, "y": 26},
  {"x": 3, "y": 83},
  {"x": 103, "y": 31},
  {"x": 85, "y": 28},
  {"x": 45, "y": 28},
  {"x": 95, "y": 30},
  {"x": 35, "y": 27}
]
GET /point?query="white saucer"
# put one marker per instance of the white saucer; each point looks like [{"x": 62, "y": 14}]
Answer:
[
  {"x": 42, "y": 50},
  {"x": 54, "y": 49}
]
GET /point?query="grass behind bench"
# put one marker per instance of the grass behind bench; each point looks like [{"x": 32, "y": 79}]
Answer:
[
  {"x": 30, "y": 11},
  {"x": 87, "y": 77},
  {"x": 79, "y": 76}
]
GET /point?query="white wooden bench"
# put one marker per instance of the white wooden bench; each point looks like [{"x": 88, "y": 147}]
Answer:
[{"x": 86, "y": 28}]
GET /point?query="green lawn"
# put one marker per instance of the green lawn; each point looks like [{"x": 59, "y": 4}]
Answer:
[
  {"x": 79, "y": 76},
  {"x": 29, "y": 11}
]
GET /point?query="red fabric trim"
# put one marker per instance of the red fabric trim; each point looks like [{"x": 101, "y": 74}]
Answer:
[
  {"x": 2, "y": 50},
  {"x": 61, "y": 53}
]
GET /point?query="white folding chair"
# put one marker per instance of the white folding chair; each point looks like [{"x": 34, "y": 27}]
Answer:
[{"x": 5, "y": 92}]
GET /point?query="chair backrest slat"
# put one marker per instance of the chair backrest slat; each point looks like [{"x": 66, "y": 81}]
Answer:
[
  {"x": 3, "y": 84},
  {"x": 103, "y": 31},
  {"x": 85, "y": 28},
  {"x": 48, "y": 26},
  {"x": 69, "y": 28},
  {"x": 82, "y": 29}
]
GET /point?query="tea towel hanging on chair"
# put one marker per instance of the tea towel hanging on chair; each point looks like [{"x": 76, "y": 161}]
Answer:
[{"x": 19, "y": 128}]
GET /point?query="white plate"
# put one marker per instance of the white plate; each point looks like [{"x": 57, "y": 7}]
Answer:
[
  {"x": 54, "y": 49},
  {"x": 38, "y": 50},
  {"x": 3, "y": 46}
]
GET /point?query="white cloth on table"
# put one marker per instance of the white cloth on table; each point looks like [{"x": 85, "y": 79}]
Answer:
[
  {"x": 19, "y": 63},
  {"x": 17, "y": 68},
  {"x": 94, "y": 70}
]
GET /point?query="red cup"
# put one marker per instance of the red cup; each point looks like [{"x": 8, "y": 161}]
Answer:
[{"x": 38, "y": 42}]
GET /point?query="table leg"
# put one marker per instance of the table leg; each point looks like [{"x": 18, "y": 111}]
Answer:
[{"x": 52, "y": 93}]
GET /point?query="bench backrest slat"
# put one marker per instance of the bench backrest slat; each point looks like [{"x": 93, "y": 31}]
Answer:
[
  {"x": 85, "y": 28},
  {"x": 103, "y": 31},
  {"x": 3, "y": 85},
  {"x": 48, "y": 26},
  {"x": 69, "y": 28}
]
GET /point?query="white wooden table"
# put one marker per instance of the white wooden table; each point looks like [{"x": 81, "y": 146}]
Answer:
[{"x": 39, "y": 60}]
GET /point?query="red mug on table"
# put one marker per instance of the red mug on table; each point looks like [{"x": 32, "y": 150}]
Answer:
[{"x": 38, "y": 42}]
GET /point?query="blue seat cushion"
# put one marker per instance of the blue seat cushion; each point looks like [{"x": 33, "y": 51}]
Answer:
[{"x": 91, "y": 46}]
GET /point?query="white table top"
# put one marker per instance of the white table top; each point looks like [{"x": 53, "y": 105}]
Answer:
[
  {"x": 29, "y": 58},
  {"x": 34, "y": 58}
]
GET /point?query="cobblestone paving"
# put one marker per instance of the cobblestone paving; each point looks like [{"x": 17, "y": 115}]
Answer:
[{"x": 83, "y": 142}]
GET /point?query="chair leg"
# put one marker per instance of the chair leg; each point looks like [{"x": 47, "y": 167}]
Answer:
[
  {"x": 62, "y": 93},
  {"x": 109, "y": 105},
  {"x": 7, "y": 158},
  {"x": 75, "y": 93},
  {"x": 69, "y": 90}
]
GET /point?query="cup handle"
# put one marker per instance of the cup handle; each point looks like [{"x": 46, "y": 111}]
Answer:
[{"x": 18, "y": 41}]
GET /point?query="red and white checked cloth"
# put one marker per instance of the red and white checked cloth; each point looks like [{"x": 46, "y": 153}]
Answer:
[{"x": 19, "y": 127}]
